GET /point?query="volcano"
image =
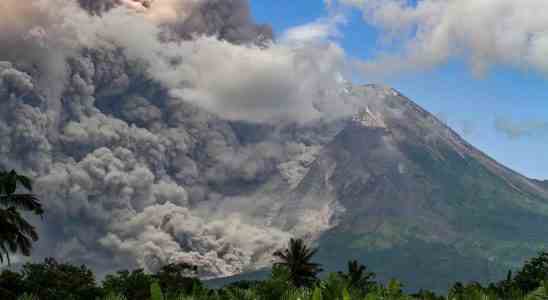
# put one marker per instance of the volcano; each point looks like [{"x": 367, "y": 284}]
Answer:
[
  {"x": 132, "y": 177},
  {"x": 414, "y": 201}
]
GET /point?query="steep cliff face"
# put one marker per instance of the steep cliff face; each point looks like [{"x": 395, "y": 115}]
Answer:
[{"x": 416, "y": 201}]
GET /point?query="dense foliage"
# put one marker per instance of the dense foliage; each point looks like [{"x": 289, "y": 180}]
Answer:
[
  {"x": 51, "y": 280},
  {"x": 294, "y": 274},
  {"x": 296, "y": 259},
  {"x": 16, "y": 234}
]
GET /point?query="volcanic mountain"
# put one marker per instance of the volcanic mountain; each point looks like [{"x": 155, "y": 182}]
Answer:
[
  {"x": 413, "y": 200},
  {"x": 133, "y": 177}
]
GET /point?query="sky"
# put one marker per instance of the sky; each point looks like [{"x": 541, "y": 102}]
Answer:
[{"x": 502, "y": 109}]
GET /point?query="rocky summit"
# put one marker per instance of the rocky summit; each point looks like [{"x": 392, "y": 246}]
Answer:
[
  {"x": 415, "y": 201},
  {"x": 403, "y": 193}
]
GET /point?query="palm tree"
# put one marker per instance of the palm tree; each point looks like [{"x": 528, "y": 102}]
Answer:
[
  {"x": 357, "y": 276},
  {"x": 296, "y": 259},
  {"x": 16, "y": 234}
]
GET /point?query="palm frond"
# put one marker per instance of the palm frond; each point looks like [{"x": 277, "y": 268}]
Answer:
[
  {"x": 26, "y": 202},
  {"x": 16, "y": 234}
]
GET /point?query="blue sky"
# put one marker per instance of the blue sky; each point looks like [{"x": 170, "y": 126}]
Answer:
[{"x": 471, "y": 104}]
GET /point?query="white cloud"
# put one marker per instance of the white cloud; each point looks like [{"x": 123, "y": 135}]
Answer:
[
  {"x": 515, "y": 129},
  {"x": 485, "y": 32},
  {"x": 316, "y": 32}
]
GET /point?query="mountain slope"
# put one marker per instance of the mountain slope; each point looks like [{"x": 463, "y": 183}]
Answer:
[
  {"x": 132, "y": 177},
  {"x": 417, "y": 202}
]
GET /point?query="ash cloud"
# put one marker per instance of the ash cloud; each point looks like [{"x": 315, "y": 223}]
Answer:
[
  {"x": 131, "y": 136},
  {"x": 97, "y": 7},
  {"x": 228, "y": 20}
]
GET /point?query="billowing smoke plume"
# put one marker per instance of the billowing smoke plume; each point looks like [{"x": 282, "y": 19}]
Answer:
[
  {"x": 485, "y": 32},
  {"x": 100, "y": 6},
  {"x": 134, "y": 117},
  {"x": 229, "y": 20}
]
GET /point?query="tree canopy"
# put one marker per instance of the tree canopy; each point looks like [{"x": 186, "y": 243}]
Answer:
[
  {"x": 16, "y": 233},
  {"x": 297, "y": 259}
]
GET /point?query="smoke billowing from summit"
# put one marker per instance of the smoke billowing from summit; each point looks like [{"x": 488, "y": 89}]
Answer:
[
  {"x": 125, "y": 113},
  {"x": 227, "y": 19}
]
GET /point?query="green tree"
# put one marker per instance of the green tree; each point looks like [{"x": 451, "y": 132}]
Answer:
[
  {"x": 394, "y": 289},
  {"x": 156, "y": 292},
  {"x": 533, "y": 273},
  {"x": 333, "y": 286},
  {"x": 278, "y": 283},
  {"x": 177, "y": 279},
  {"x": 11, "y": 285},
  {"x": 16, "y": 234},
  {"x": 52, "y": 280},
  {"x": 456, "y": 292},
  {"x": 134, "y": 285},
  {"x": 297, "y": 259},
  {"x": 427, "y": 295},
  {"x": 358, "y": 277},
  {"x": 506, "y": 289}
]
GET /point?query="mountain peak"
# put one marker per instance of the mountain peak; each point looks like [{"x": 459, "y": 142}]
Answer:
[
  {"x": 380, "y": 106},
  {"x": 408, "y": 185}
]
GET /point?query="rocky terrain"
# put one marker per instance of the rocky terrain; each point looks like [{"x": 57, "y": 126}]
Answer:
[{"x": 418, "y": 199}]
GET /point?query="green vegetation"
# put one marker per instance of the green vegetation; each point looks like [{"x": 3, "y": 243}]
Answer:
[
  {"x": 296, "y": 259},
  {"x": 293, "y": 277},
  {"x": 16, "y": 234}
]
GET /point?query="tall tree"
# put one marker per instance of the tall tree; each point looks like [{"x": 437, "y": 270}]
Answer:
[
  {"x": 134, "y": 285},
  {"x": 52, "y": 280},
  {"x": 533, "y": 273},
  {"x": 297, "y": 259},
  {"x": 358, "y": 277},
  {"x": 16, "y": 234},
  {"x": 178, "y": 278}
]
